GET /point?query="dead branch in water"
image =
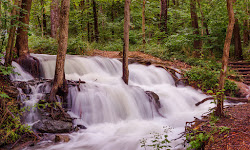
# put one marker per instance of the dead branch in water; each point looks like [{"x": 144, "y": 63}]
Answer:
[{"x": 231, "y": 99}]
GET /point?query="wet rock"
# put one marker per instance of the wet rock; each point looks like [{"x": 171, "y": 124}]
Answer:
[
  {"x": 153, "y": 97},
  {"x": 62, "y": 138},
  {"x": 81, "y": 126},
  {"x": 53, "y": 126},
  {"x": 30, "y": 64},
  {"x": 25, "y": 87}
]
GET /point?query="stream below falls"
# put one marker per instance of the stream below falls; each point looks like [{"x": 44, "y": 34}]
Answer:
[{"x": 117, "y": 116}]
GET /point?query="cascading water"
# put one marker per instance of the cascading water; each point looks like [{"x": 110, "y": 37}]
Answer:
[{"x": 117, "y": 115}]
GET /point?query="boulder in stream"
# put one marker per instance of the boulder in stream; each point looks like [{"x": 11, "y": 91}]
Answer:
[
  {"x": 61, "y": 138},
  {"x": 153, "y": 97},
  {"x": 53, "y": 126}
]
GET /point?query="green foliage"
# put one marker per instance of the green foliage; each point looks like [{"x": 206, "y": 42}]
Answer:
[
  {"x": 197, "y": 139},
  {"x": 158, "y": 141},
  {"x": 11, "y": 128},
  {"x": 49, "y": 45},
  {"x": 43, "y": 45},
  {"x": 205, "y": 75},
  {"x": 6, "y": 70}
]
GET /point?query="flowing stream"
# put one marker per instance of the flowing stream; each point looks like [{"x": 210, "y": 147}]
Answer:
[{"x": 117, "y": 116}]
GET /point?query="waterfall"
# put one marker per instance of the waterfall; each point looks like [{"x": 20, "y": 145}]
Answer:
[{"x": 117, "y": 115}]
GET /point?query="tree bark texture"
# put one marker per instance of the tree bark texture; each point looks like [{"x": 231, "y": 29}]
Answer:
[
  {"x": 220, "y": 97},
  {"x": 11, "y": 38},
  {"x": 143, "y": 22},
  {"x": 54, "y": 17},
  {"x": 237, "y": 41},
  {"x": 95, "y": 21},
  {"x": 59, "y": 78},
  {"x": 194, "y": 20},
  {"x": 164, "y": 16},
  {"x": 246, "y": 37},
  {"x": 125, "y": 75},
  {"x": 22, "y": 32}
]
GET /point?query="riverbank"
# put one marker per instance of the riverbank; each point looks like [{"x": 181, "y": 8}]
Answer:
[{"x": 144, "y": 59}]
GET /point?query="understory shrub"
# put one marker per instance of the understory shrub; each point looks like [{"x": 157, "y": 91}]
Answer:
[
  {"x": 49, "y": 45},
  {"x": 207, "y": 78}
]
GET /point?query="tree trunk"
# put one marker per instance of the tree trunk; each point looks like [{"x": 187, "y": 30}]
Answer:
[
  {"x": 95, "y": 22},
  {"x": 126, "y": 41},
  {"x": 164, "y": 16},
  {"x": 54, "y": 18},
  {"x": 202, "y": 18},
  {"x": 220, "y": 97},
  {"x": 11, "y": 38},
  {"x": 246, "y": 37},
  {"x": 59, "y": 78},
  {"x": 88, "y": 23},
  {"x": 112, "y": 17},
  {"x": 194, "y": 18},
  {"x": 237, "y": 41},
  {"x": 0, "y": 13},
  {"x": 44, "y": 21},
  {"x": 42, "y": 18},
  {"x": 143, "y": 22},
  {"x": 174, "y": 2},
  {"x": 22, "y": 32}
]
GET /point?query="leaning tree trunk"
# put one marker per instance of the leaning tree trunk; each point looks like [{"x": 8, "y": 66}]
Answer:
[
  {"x": 54, "y": 18},
  {"x": 95, "y": 22},
  {"x": 237, "y": 41},
  {"x": 143, "y": 22},
  {"x": 59, "y": 78},
  {"x": 22, "y": 32},
  {"x": 194, "y": 19},
  {"x": 11, "y": 39},
  {"x": 126, "y": 41},
  {"x": 220, "y": 97}
]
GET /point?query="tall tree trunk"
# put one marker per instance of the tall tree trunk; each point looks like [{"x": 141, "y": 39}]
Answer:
[
  {"x": 164, "y": 16},
  {"x": 143, "y": 22},
  {"x": 95, "y": 22},
  {"x": 22, "y": 32},
  {"x": 112, "y": 17},
  {"x": 42, "y": 18},
  {"x": 0, "y": 13},
  {"x": 88, "y": 23},
  {"x": 44, "y": 21},
  {"x": 237, "y": 41},
  {"x": 54, "y": 18},
  {"x": 82, "y": 8},
  {"x": 246, "y": 37},
  {"x": 59, "y": 78},
  {"x": 220, "y": 97},
  {"x": 174, "y": 2},
  {"x": 125, "y": 75},
  {"x": 202, "y": 18},
  {"x": 194, "y": 18},
  {"x": 11, "y": 39}
]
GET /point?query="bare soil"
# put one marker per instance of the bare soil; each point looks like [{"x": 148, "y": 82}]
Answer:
[{"x": 140, "y": 55}]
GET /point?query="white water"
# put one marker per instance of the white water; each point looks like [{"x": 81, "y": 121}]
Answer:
[{"x": 119, "y": 116}]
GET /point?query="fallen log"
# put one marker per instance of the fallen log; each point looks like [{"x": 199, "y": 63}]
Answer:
[{"x": 231, "y": 99}]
